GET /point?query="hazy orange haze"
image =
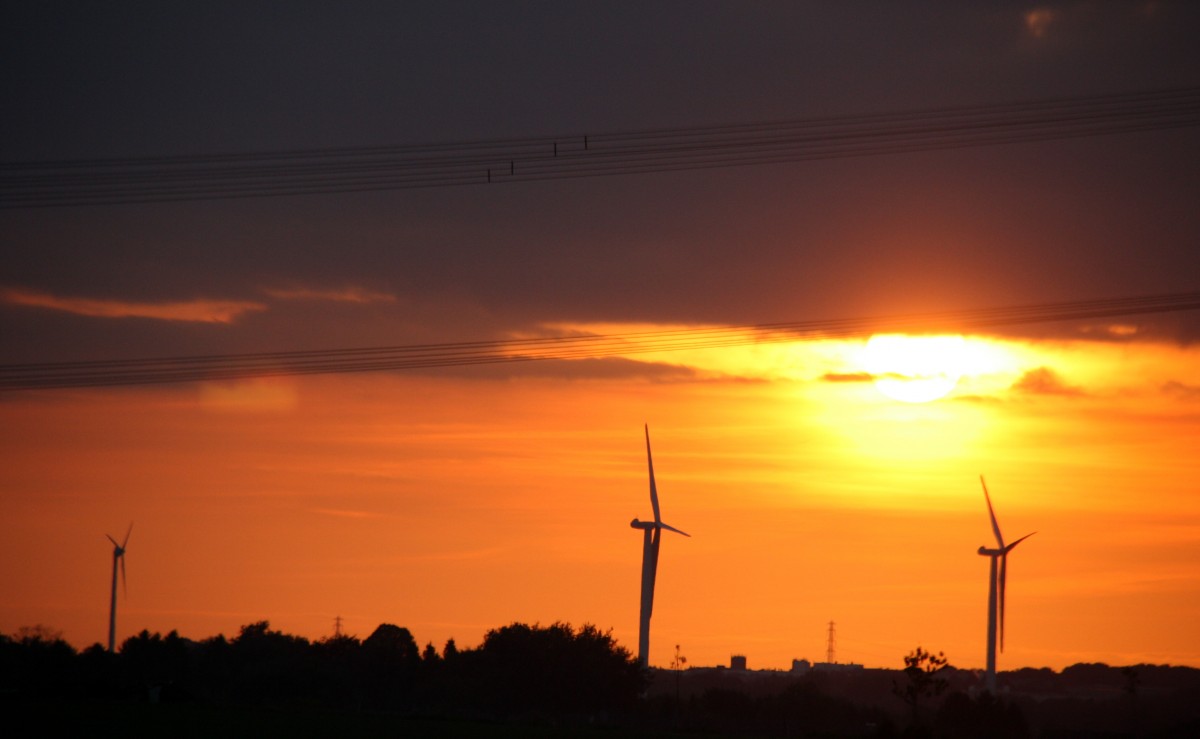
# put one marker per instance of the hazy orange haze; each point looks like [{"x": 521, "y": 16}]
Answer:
[{"x": 456, "y": 504}]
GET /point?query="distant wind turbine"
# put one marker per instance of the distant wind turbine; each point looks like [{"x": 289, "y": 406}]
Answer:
[
  {"x": 118, "y": 556},
  {"x": 996, "y": 582},
  {"x": 651, "y": 531}
]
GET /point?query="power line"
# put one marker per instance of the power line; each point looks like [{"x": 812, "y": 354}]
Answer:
[
  {"x": 38, "y": 184},
  {"x": 196, "y": 368}
]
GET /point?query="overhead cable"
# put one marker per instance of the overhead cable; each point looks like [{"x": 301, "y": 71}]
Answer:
[{"x": 113, "y": 181}]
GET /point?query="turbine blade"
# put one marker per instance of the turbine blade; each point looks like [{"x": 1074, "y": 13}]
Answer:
[
  {"x": 114, "y": 541},
  {"x": 1003, "y": 579},
  {"x": 652, "y": 569},
  {"x": 647, "y": 568},
  {"x": 127, "y": 533},
  {"x": 653, "y": 488},
  {"x": 992, "y": 513},
  {"x": 1009, "y": 548},
  {"x": 124, "y": 582},
  {"x": 672, "y": 528}
]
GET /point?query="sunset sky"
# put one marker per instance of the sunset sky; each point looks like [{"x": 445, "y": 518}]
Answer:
[{"x": 458, "y": 499}]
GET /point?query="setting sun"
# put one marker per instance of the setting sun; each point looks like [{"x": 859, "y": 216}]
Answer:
[{"x": 915, "y": 369}]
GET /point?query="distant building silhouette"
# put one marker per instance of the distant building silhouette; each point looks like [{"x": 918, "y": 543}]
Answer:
[
  {"x": 737, "y": 662},
  {"x": 837, "y": 667}
]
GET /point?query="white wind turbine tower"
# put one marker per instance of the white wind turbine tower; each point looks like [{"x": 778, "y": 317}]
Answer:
[
  {"x": 118, "y": 555},
  {"x": 651, "y": 531},
  {"x": 996, "y": 582}
]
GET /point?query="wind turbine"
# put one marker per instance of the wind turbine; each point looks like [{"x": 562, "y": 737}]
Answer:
[
  {"x": 996, "y": 583},
  {"x": 651, "y": 531},
  {"x": 118, "y": 555}
]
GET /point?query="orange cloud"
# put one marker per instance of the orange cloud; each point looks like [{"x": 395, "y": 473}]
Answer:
[
  {"x": 198, "y": 311},
  {"x": 253, "y": 395},
  {"x": 1181, "y": 390},
  {"x": 1044, "y": 381},
  {"x": 848, "y": 377},
  {"x": 345, "y": 295},
  {"x": 1111, "y": 331}
]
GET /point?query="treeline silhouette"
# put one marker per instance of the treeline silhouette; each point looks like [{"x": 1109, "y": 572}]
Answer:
[
  {"x": 518, "y": 670},
  {"x": 551, "y": 680}
]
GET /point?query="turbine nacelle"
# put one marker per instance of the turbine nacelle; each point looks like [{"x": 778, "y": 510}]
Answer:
[
  {"x": 652, "y": 526},
  {"x": 119, "y": 554},
  {"x": 119, "y": 549}
]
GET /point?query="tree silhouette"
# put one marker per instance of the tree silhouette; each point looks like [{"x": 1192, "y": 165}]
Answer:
[
  {"x": 391, "y": 668},
  {"x": 338, "y": 662},
  {"x": 677, "y": 665},
  {"x": 37, "y": 660},
  {"x": 554, "y": 669},
  {"x": 156, "y": 667},
  {"x": 923, "y": 680},
  {"x": 270, "y": 667},
  {"x": 394, "y": 641}
]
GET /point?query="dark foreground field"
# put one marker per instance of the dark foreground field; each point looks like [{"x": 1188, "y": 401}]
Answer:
[{"x": 192, "y": 720}]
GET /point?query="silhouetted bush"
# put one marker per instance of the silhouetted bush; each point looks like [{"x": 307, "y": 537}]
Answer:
[{"x": 522, "y": 669}]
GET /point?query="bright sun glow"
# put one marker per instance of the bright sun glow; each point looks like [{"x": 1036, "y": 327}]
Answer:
[{"x": 915, "y": 369}]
